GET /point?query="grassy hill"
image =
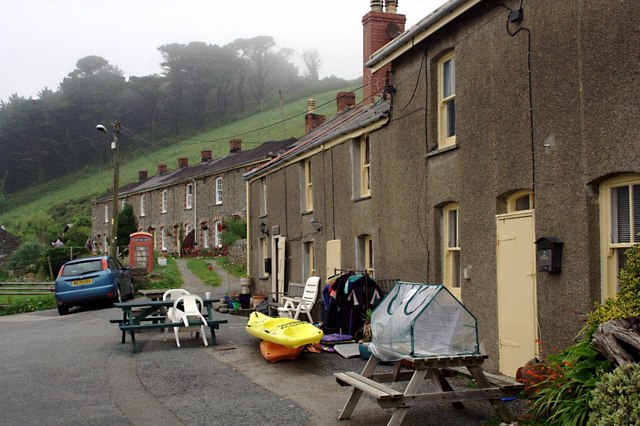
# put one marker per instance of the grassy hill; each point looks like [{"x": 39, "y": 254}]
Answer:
[{"x": 90, "y": 182}]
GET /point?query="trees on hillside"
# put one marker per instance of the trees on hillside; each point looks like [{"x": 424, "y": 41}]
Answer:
[{"x": 54, "y": 134}]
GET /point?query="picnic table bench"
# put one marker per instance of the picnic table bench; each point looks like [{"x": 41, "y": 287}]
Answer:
[
  {"x": 491, "y": 388},
  {"x": 137, "y": 314}
]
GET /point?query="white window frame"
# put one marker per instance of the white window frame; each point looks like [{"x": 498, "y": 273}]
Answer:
[
  {"x": 164, "y": 201},
  {"x": 188, "y": 196},
  {"x": 142, "y": 206},
  {"x": 611, "y": 248},
  {"x": 451, "y": 262},
  {"x": 264, "y": 254},
  {"x": 365, "y": 166},
  {"x": 446, "y": 100},
  {"x": 307, "y": 183},
  {"x": 218, "y": 187},
  {"x": 163, "y": 238},
  {"x": 217, "y": 235},
  {"x": 263, "y": 196},
  {"x": 106, "y": 213},
  {"x": 205, "y": 237}
]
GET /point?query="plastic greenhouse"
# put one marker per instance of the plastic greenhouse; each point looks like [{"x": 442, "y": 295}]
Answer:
[{"x": 422, "y": 320}]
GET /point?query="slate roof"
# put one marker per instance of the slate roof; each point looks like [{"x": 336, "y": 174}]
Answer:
[
  {"x": 233, "y": 160},
  {"x": 352, "y": 119}
]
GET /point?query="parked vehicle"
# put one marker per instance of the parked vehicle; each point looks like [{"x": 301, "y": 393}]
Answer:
[{"x": 92, "y": 279}]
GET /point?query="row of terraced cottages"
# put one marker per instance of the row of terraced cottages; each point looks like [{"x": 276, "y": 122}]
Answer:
[
  {"x": 188, "y": 204},
  {"x": 496, "y": 151}
]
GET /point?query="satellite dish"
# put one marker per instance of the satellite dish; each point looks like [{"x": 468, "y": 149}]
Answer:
[{"x": 393, "y": 30}]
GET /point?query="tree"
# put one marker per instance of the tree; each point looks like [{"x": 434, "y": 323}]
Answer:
[
  {"x": 312, "y": 61},
  {"x": 126, "y": 225}
]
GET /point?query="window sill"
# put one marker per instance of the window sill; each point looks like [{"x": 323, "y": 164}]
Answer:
[
  {"x": 218, "y": 204},
  {"x": 442, "y": 150},
  {"x": 366, "y": 197}
]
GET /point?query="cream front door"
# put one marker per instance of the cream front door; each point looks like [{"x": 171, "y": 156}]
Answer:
[
  {"x": 517, "y": 306},
  {"x": 333, "y": 257}
]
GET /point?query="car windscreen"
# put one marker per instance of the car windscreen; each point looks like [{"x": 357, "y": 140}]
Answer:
[{"x": 82, "y": 268}]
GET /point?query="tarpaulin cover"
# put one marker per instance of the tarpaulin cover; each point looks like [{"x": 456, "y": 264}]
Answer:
[{"x": 422, "y": 320}]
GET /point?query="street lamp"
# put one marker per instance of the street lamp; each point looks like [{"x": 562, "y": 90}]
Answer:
[{"x": 115, "y": 147}]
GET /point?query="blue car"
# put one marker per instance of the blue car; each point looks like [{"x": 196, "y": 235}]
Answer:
[{"x": 92, "y": 279}]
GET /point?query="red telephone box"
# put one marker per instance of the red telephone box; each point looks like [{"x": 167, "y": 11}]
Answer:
[{"x": 141, "y": 251}]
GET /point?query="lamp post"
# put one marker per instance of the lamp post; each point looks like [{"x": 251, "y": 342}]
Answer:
[{"x": 115, "y": 147}]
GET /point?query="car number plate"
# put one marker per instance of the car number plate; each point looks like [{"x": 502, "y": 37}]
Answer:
[{"x": 81, "y": 282}]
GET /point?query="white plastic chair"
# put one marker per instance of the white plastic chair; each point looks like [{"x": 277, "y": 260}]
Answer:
[
  {"x": 172, "y": 294},
  {"x": 190, "y": 309},
  {"x": 294, "y": 306}
]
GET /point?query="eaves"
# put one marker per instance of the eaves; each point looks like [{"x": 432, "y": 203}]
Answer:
[{"x": 436, "y": 20}]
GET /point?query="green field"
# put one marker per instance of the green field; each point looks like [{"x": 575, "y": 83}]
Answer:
[{"x": 92, "y": 182}]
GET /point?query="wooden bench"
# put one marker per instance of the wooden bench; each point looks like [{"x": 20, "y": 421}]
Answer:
[
  {"x": 386, "y": 396},
  {"x": 506, "y": 384},
  {"x": 294, "y": 290},
  {"x": 132, "y": 328}
]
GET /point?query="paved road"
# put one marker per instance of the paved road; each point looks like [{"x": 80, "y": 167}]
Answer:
[{"x": 73, "y": 370}]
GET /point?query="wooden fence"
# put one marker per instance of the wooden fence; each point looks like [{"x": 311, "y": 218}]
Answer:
[{"x": 26, "y": 288}]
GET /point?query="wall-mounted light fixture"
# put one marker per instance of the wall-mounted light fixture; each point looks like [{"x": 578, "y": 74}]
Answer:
[
  {"x": 317, "y": 226},
  {"x": 264, "y": 229}
]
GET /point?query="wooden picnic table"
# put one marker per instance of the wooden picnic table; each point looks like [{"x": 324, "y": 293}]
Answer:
[
  {"x": 489, "y": 387},
  {"x": 153, "y": 294},
  {"x": 137, "y": 314}
]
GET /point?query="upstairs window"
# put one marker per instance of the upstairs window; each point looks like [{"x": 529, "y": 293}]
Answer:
[
  {"x": 142, "y": 206},
  {"x": 188, "y": 202},
  {"x": 164, "y": 201},
  {"x": 308, "y": 187},
  {"x": 219, "y": 190},
  {"x": 263, "y": 197},
  {"x": 447, "y": 101},
  {"x": 365, "y": 167}
]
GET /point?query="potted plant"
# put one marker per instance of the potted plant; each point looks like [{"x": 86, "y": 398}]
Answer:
[{"x": 364, "y": 342}]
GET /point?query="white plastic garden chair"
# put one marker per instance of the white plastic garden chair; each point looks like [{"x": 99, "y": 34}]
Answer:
[
  {"x": 191, "y": 304},
  {"x": 173, "y": 295},
  {"x": 294, "y": 306}
]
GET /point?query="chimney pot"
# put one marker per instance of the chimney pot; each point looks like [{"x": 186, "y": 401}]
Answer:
[
  {"x": 345, "y": 100},
  {"x": 142, "y": 174},
  {"x": 392, "y": 6},
  {"x": 206, "y": 155},
  {"x": 311, "y": 105},
  {"x": 235, "y": 145},
  {"x": 376, "y": 5},
  {"x": 162, "y": 169},
  {"x": 183, "y": 162}
]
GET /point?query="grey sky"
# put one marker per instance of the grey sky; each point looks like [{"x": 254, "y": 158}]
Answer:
[{"x": 41, "y": 40}]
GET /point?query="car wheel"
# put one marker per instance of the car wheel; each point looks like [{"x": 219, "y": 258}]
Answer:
[{"x": 63, "y": 309}]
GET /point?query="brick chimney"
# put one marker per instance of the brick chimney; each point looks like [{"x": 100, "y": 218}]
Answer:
[
  {"x": 311, "y": 119},
  {"x": 345, "y": 100},
  {"x": 377, "y": 27},
  {"x": 162, "y": 169},
  {"x": 235, "y": 145},
  {"x": 142, "y": 174},
  {"x": 205, "y": 154},
  {"x": 183, "y": 162}
]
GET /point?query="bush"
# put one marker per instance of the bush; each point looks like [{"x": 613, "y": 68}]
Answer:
[
  {"x": 616, "y": 400},
  {"x": 28, "y": 257},
  {"x": 31, "y": 304},
  {"x": 234, "y": 230},
  {"x": 626, "y": 304}
]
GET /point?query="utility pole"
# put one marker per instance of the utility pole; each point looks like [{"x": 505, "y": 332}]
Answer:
[{"x": 115, "y": 147}]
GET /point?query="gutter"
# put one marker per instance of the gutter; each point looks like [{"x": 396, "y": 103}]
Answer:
[{"x": 424, "y": 28}]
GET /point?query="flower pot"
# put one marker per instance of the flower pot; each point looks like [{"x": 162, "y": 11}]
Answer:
[{"x": 363, "y": 347}]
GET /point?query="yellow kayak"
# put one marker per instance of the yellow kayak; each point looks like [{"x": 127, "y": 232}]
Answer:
[{"x": 283, "y": 331}]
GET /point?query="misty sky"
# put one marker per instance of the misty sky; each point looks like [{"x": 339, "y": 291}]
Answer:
[{"x": 41, "y": 40}]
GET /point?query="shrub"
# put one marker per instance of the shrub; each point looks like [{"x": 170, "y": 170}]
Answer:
[
  {"x": 626, "y": 304},
  {"x": 234, "y": 230},
  {"x": 616, "y": 400},
  {"x": 28, "y": 257},
  {"x": 564, "y": 396},
  {"x": 30, "y": 304}
]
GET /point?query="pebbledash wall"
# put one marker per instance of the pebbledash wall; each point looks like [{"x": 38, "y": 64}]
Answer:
[
  {"x": 217, "y": 192},
  {"x": 543, "y": 142}
]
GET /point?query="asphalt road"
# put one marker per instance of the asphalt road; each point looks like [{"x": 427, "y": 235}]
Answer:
[{"x": 73, "y": 370}]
